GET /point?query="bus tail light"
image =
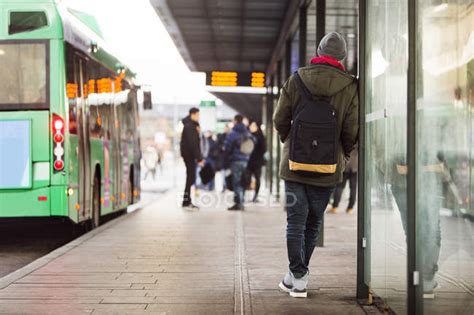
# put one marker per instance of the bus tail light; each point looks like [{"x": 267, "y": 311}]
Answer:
[
  {"x": 58, "y": 139},
  {"x": 58, "y": 165}
]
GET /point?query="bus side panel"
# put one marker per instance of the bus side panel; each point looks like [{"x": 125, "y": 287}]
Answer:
[
  {"x": 98, "y": 158},
  {"x": 131, "y": 163},
  {"x": 72, "y": 170},
  {"x": 109, "y": 179},
  {"x": 125, "y": 173},
  {"x": 135, "y": 164},
  {"x": 59, "y": 205},
  {"x": 58, "y": 103},
  {"x": 31, "y": 203}
]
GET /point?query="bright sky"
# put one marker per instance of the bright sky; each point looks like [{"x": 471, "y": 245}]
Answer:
[{"x": 136, "y": 35}]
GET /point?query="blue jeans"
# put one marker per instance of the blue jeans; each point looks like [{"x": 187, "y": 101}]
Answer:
[
  {"x": 305, "y": 206},
  {"x": 237, "y": 168}
]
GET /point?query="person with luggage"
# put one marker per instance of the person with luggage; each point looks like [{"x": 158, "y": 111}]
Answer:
[
  {"x": 349, "y": 175},
  {"x": 257, "y": 160},
  {"x": 190, "y": 147},
  {"x": 317, "y": 120},
  {"x": 238, "y": 146}
]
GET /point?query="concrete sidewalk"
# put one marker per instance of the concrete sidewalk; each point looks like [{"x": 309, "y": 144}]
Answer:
[{"x": 162, "y": 259}]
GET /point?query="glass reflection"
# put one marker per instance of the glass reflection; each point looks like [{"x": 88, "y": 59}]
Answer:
[
  {"x": 386, "y": 149},
  {"x": 445, "y": 145}
]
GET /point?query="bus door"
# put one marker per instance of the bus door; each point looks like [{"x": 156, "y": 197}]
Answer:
[
  {"x": 117, "y": 156},
  {"x": 124, "y": 152},
  {"x": 83, "y": 146}
]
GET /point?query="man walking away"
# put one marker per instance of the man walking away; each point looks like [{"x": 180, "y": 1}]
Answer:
[
  {"x": 317, "y": 120},
  {"x": 191, "y": 152},
  {"x": 238, "y": 146},
  {"x": 350, "y": 174}
]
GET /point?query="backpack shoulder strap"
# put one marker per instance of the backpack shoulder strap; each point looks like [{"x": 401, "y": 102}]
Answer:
[
  {"x": 302, "y": 89},
  {"x": 304, "y": 93}
]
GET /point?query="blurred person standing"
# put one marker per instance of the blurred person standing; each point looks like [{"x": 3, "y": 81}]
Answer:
[
  {"x": 350, "y": 174},
  {"x": 205, "y": 152},
  {"x": 212, "y": 156},
  {"x": 257, "y": 160},
  {"x": 238, "y": 146},
  {"x": 191, "y": 152},
  {"x": 160, "y": 159},
  {"x": 317, "y": 120},
  {"x": 222, "y": 164},
  {"x": 151, "y": 160}
]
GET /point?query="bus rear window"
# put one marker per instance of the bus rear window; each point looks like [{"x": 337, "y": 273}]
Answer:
[
  {"x": 26, "y": 21},
  {"x": 23, "y": 83}
]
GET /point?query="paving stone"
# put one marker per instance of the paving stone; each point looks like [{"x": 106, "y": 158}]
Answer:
[
  {"x": 192, "y": 292},
  {"x": 38, "y": 308},
  {"x": 52, "y": 300},
  {"x": 129, "y": 300},
  {"x": 194, "y": 309},
  {"x": 129, "y": 292},
  {"x": 42, "y": 292}
]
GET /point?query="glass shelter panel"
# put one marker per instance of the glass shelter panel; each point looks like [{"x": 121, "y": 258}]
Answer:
[
  {"x": 445, "y": 108},
  {"x": 386, "y": 189}
]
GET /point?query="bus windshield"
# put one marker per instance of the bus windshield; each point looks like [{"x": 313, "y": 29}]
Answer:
[{"x": 23, "y": 79}]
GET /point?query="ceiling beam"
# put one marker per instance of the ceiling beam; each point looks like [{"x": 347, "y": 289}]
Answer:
[
  {"x": 285, "y": 29},
  {"x": 211, "y": 28},
  {"x": 242, "y": 30},
  {"x": 162, "y": 9}
]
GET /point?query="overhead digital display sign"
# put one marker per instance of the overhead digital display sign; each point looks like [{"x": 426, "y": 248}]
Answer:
[{"x": 233, "y": 78}]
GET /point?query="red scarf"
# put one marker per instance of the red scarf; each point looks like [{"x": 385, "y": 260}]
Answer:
[{"x": 329, "y": 61}]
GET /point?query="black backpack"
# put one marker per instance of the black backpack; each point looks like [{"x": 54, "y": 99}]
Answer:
[{"x": 313, "y": 135}]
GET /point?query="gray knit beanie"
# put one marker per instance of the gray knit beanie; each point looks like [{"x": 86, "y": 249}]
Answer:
[{"x": 333, "y": 45}]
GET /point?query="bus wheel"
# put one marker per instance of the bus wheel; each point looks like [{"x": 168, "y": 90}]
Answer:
[{"x": 95, "y": 221}]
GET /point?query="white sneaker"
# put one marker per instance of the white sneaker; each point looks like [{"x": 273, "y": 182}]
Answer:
[
  {"x": 191, "y": 207},
  {"x": 299, "y": 286},
  {"x": 286, "y": 285},
  {"x": 299, "y": 293}
]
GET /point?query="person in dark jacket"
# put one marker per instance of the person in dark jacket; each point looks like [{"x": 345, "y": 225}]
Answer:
[
  {"x": 191, "y": 152},
  {"x": 222, "y": 164},
  {"x": 350, "y": 174},
  {"x": 212, "y": 157},
  {"x": 257, "y": 159},
  {"x": 238, "y": 159},
  {"x": 308, "y": 196}
]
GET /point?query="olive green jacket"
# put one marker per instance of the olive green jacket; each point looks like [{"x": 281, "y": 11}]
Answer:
[{"x": 341, "y": 87}]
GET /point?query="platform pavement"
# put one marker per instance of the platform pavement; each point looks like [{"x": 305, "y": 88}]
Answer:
[{"x": 161, "y": 260}]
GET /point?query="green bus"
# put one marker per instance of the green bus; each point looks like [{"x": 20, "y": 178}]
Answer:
[{"x": 69, "y": 142}]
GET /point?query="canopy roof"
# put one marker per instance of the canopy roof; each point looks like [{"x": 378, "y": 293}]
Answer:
[{"x": 245, "y": 35}]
